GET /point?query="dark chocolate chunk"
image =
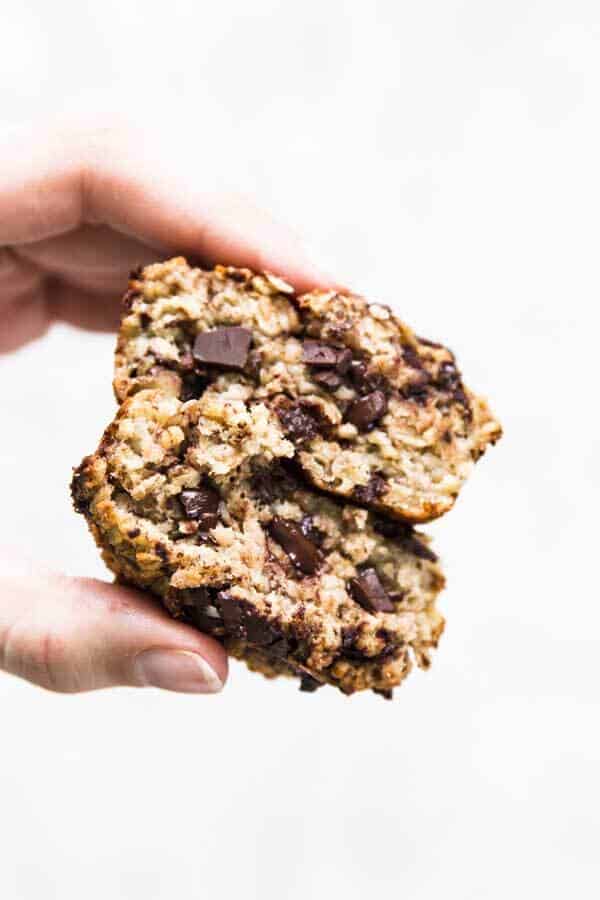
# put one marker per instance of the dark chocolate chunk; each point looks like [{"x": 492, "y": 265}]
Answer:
[
  {"x": 200, "y": 610},
  {"x": 370, "y": 492},
  {"x": 353, "y": 653},
  {"x": 366, "y": 411},
  {"x": 279, "y": 649},
  {"x": 193, "y": 386},
  {"x": 204, "y": 621},
  {"x": 200, "y": 596},
  {"x": 302, "y": 552},
  {"x": 433, "y": 344},
  {"x": 186, "y": 360},
  {"x": 404, "y": 534},
  {"x": 273, "y": 482},
  {"x": 386, "y": 693},
  {"x": 244, "y": 622},
  {"x": 422, "y": 551},
  {"x": 316, "y": 354},
  {"x": 226, "y": 348},
  {"x": 448, "y": 376},
  {"x": 232, "y": 612},
  {"x": 411, "y": 357},
  {"x": 349, "y": 636},
  {"x": 358, "y": 371},
  {"x": 259, "y": 631},
  {"x": 175, "y": 508},
  {"x": 344, "y": 361},
  {"x": 328, "y": 379},
  {"x": 384, "y": 634},
  {"x": 201, "y": 505},
  {"x": 253, "y": 364},
  {"x": 262, "y": 486},
  {"x": 369, "y": 592},
  {"x": 81, "y": 500},
  {"x": 310, "y": 530},
  {"x": 388, "y": 651},
  {"x": 365, "y": 380},
  {"x": 299, "y": 425},
  {"x": 449, "y": 380},
  {"x": 417, "y": 388},
  {"x": 308, "y": 684},
  {"x": 325, "y": 356},
  {"x": 161, "y": 551},
  {"x": 391, "y": 528}
]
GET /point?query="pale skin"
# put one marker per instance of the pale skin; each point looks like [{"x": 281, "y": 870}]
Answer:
[{"x": 78, "y": 211}]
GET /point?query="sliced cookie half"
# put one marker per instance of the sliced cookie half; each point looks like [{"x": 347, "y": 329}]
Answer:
[
  {"x": 376, "y": 415},
  {"x": 202, "y": 503}
]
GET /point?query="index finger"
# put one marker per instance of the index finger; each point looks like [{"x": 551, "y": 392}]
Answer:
[{"x": 52, "y": 182}]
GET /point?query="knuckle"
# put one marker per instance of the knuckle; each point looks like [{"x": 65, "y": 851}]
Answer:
[
  {"x": 40, "y": 657},
  {"x": 50, "y": 662}
]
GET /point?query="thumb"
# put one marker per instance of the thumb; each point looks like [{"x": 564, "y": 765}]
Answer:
[{"x": 79, "y": 634}]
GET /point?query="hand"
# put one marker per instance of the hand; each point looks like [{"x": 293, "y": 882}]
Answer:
[{"x": 78, "y": 211}]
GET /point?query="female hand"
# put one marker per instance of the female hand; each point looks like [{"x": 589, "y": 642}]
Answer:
[{"x": 78, "y": 211}]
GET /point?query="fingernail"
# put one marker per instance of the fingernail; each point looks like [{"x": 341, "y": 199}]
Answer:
[{"x": 176, "y": 670}]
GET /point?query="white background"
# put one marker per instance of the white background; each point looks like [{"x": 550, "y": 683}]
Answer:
[{"x": 444, "y": 157}]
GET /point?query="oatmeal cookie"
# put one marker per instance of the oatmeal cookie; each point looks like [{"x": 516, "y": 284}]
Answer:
[
  {"x": 269, "y": 460},
  {"x": 202, "y": 502},
  {"x": 376, "y": 415}
]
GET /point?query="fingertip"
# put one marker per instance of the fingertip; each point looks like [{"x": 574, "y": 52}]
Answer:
[
  {"x": 209, "y": 649},
  {"x": 304, "y": 276},
  {"x": 140, "y": 623},
  {"x": 176, "y": 670},
  {"x": 118, "y": 635},
  {"x": 234, "y": 231}
]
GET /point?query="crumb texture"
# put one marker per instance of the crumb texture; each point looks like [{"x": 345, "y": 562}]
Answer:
[
  {"x": 267, "y": 465},
  {"x": 377, "y": 415}
]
